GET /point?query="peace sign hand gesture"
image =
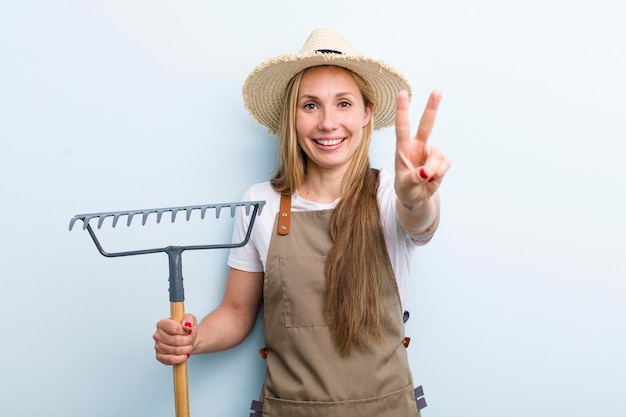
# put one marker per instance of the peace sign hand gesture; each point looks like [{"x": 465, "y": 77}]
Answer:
[{"x": 420, "y": 168}]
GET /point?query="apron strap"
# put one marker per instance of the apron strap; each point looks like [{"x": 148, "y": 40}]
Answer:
[
  {"x": 419, "y": 398},
  {"x": 284, "y": 215},
  {"x": 257, "y": 408}
]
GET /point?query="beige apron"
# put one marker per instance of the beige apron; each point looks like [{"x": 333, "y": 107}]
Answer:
[{"x": 306, "y": 376}]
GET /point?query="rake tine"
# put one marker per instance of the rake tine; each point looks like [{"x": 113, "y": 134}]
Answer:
[
  {"x": 72, "y": 221},
  {"x": 188, "y": 212},
  {"x": 159, "y": 215},
  {"x": 232, "y": 210},
  {"x": 131, "y": 214},
  {"x": 101, "y": 221},
  {"x": 144, "y": 217},
  {"x": 116, "y": 217},
  {"x": 203, "y": 212},
  {"x": 174, "y": 213},
  {"x": 87, "y": 220}
]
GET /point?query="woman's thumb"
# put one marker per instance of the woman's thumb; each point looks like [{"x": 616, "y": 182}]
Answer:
[{"x": 188, "y": 322}]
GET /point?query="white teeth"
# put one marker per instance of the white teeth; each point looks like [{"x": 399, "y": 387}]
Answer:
[{"x": 329, "y": 142}]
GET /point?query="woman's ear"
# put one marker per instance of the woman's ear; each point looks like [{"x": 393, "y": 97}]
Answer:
[{"x": 367, "y": 115}]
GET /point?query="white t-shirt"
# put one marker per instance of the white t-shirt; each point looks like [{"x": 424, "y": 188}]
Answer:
[{"x": 253, "y": 256}]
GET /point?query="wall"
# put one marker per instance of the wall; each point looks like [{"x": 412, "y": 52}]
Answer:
[{"x": 519, "y": 304}]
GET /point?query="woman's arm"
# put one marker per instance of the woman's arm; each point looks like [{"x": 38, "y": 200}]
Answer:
[
  {"x": 230, "y": 323},
  {"x": 420, "y": 168}
]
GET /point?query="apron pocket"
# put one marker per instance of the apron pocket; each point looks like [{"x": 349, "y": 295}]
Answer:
[
  {"x": 396, "y": 404},
  {"x": 304, "y": 290}
]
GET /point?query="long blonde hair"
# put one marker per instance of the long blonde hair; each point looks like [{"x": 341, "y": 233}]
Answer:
[{"x": 358, "y": 270}]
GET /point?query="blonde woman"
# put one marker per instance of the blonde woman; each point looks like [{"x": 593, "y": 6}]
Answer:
[{"x": 329, "y": 257}]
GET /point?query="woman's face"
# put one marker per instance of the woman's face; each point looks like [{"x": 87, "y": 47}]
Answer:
[{"x": 330, "y": 117}]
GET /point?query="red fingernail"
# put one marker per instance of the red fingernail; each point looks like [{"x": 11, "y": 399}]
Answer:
[
  {"x": 187, "y": 324},
  {"x": 423, "y": 173},
  {"x": 432, "y": 179},
  {"x": 188, "y": 356}
]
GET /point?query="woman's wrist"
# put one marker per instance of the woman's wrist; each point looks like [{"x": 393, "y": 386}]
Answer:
[{"x": 419, "y": 217}]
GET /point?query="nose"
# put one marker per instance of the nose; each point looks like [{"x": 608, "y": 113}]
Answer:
[{"x": 327, "y": 121}]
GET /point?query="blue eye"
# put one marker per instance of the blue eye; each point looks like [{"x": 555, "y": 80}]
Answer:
[
  {"x": 309, "y": 106},
  {"x": 345, "y": 104}
]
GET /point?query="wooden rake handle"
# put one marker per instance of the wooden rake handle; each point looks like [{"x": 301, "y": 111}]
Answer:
[{"x": 181, "y": 388}]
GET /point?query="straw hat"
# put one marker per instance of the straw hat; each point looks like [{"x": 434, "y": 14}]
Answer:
[{"x": 264, "y": 89}]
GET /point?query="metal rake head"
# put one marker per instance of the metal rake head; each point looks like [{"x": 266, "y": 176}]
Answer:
[
  {"x": 255, "y": 206},
  {"x": 115, "y": 215}
]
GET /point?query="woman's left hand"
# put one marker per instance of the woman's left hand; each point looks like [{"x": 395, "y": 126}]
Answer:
[{"x": 420, "y": 168}]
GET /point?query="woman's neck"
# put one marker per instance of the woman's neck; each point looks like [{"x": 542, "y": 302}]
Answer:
[{"x": 321, "y": 187}]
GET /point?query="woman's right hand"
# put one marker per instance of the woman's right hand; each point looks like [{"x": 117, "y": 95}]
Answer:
[
  {"x": 173, "y": 340},
  {"x": 221, "y": 329}
]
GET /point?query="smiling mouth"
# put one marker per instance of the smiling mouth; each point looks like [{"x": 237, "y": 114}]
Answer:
[{"x": 329, "y": 142}]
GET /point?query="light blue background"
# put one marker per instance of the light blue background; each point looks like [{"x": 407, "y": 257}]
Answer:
[{"x": 519, "y": 304}]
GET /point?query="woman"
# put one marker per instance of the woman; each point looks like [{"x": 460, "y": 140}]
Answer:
[{"x": 332, "y": 247}]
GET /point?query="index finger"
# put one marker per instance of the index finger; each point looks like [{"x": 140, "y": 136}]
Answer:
[
  {"x": 427, "y": 122},
  {"x": 171, "y": 327}
]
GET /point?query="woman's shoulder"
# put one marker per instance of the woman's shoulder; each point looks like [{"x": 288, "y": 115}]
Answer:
[
  {"x": 386, "y": 189},
  {"x": 263, "y": 191},
  {"x": 385, "y": 178}
]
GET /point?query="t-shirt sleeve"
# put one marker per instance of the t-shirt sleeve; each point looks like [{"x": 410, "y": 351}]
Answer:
[{"x": 245, "y": 258}]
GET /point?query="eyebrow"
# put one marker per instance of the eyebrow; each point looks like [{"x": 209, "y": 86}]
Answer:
[{"x": 314, "y": 97}]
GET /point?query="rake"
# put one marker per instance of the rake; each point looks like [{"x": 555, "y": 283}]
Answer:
[{"x": 174, "y": 253}]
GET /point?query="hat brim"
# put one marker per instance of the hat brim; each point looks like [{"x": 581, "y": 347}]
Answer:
[{"x": 264, "y": 89}]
